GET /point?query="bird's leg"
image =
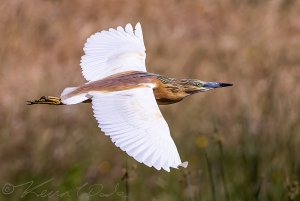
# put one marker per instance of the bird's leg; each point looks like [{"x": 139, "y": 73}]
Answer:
[{"x": 49, "y": 100}]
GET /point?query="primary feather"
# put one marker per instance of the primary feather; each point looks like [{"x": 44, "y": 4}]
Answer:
[
  {"x": 113, "y": 51},
  {"x": 133, "y": 121}
]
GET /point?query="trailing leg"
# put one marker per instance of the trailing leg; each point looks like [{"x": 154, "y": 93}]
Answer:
[{"x": 49, "y": 100}]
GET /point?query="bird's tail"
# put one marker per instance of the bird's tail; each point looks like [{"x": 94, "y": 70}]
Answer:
[{"x": 70, "y": 98}]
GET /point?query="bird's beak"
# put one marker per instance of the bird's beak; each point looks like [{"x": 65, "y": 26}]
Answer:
[{"x": 213, "y": 85}]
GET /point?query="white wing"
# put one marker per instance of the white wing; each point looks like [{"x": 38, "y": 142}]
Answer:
[
  {"x": 113, "y": 51},
  {"x": 134, "y": 123}
]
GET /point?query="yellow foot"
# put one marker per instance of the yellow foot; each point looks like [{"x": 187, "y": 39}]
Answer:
[{"x": 50, "y": 100}]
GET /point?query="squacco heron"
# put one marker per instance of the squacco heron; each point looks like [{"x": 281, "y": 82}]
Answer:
[{"x": 125, "y": 96}]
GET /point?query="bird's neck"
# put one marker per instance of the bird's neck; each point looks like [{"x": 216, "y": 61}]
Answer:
[{"x": 169, "y": 90}]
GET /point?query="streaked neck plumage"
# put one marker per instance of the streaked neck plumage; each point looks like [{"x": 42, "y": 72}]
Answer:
[{"x": 172, "y": 90}]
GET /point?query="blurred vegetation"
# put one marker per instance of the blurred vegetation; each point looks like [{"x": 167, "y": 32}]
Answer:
[{"x": 242, "y": 142}]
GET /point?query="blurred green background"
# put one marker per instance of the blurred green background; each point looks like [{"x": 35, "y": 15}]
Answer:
[{"x": 242, "y": 143}]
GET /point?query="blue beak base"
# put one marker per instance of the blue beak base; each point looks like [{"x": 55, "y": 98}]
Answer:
[{"x": 213, "y": 85}]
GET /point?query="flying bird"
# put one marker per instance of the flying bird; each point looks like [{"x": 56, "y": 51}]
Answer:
[{"x": 125, "y": 97}]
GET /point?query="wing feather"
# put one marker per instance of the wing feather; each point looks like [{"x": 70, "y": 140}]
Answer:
[
  {"x": 135, "y": 124},
  {"x": 113, "y": 51}
]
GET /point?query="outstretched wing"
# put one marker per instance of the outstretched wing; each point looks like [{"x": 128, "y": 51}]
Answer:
[
  {"x": 133, "y": 121},
  {"x": 113, "y": 51}
]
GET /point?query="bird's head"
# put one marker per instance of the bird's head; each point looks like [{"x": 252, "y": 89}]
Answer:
[{"x": 192, "y": 86}]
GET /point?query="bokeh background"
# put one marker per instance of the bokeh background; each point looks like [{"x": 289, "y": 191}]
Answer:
[{"x": 242, "y": 143}]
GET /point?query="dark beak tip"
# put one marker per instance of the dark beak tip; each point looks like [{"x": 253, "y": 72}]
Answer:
[{"x": 226, "y": 84}]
